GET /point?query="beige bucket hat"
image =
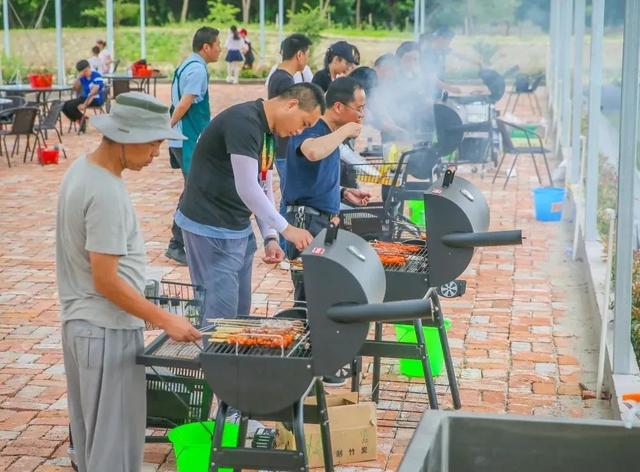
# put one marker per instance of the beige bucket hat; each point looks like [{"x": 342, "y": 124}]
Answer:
[{"x": 136, "y": 117}]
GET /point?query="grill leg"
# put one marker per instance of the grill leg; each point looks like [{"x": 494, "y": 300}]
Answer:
[
  {"x": 426, "y": 367},
  {"x": 216, "y": 441},
  {"x": 375, "y": 381},
  {"x": 242, "y": 434},
  {"x": 513, "y": 165},
  {"x": 325, "y": 433},
  {"x": 355, "y": 374},
  {"x": 298, "y": 432},
  {"x": 448, "y": 360}
]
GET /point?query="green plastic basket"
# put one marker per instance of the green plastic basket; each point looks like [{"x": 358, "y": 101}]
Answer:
[
  {"x": 413, "y": 367},
  {"x": 516, "y": 133},
  {"x": 416, "y": 212},
  {"x": 192, "y": 444}
]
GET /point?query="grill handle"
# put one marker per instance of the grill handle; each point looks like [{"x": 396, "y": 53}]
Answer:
[
  {"x": 389, "y": 311},
  {"x": 488, "y": 238}
]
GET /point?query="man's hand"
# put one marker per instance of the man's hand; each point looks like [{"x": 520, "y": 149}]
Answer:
[
  {"x": 300, "y": 238},
  {"x": 94, "y": 89},
  {"x": 273, "y": 253},
  {"x": 180, "y": 329},
  {"x": 351, "y": 129},
  {"x": 356, "y": 196}
]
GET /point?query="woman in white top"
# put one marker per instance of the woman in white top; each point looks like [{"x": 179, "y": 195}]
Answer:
[
  {"x": 234, "y": 57},
  {"x": 94, "y": 61}
]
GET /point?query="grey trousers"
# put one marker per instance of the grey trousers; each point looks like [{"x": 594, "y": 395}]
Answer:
[
  {"x": 223, "y": 267},
  {"x": 106, "y": 396}
]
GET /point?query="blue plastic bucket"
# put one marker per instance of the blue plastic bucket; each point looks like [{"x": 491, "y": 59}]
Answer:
[{"x": 548, "y": 203}]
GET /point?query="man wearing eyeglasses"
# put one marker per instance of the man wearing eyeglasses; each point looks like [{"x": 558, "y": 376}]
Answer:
[{"x": 313, "y": 194}]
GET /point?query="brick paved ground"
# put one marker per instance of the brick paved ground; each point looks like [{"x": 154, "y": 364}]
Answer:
[{"x": 521, "y": 335}]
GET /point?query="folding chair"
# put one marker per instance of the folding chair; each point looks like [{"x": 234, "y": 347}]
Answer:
[{"x": 23, "y": 124}]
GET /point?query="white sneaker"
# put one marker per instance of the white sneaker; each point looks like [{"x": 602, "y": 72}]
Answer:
[{"x": 229, "y": 79}]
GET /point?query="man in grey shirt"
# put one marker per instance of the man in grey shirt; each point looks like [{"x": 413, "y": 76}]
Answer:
[{"x": 100, "y": 265}]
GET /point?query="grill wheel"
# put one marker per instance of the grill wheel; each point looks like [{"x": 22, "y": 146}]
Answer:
[{"x": 449, "y": 290}]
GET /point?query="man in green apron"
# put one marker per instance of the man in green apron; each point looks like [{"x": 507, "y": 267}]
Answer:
[{"x": 190, "y": 114}]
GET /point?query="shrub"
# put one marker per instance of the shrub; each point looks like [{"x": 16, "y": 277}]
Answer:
[
  {"x": 308, "y": 21},
  {"x": 222, "y": 14}
]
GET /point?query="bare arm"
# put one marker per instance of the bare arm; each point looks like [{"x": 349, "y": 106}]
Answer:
[
  {"x": 316, "y": 149},
  {"x": 181, "y": 108},
  {"x": 109, "y": 284}
]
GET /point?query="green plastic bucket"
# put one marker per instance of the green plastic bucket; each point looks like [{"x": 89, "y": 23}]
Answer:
[
  {"x": 413, "y": 367},
  {"x": 192, "y": 444},
  {"x": 416, "y": 212}
]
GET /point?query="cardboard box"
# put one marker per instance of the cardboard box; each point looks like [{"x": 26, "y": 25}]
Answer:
[{"x": 352, "y": 426}]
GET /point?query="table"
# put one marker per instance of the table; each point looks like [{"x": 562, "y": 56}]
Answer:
[
  {"x": 145, "y": 82},
  {"x": 42, "y": 93}
]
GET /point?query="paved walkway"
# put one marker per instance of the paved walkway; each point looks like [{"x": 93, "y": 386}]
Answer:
[{"x": 521, "y": 336}]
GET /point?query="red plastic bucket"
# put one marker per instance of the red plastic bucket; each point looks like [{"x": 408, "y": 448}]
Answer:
[{"x": 48, "y": 155}]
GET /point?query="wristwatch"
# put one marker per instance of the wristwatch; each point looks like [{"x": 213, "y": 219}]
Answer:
[{"x": 268, "y": 239}]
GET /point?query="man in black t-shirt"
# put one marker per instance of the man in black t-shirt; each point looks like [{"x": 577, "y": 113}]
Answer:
[
  {"x": 295, "y": 57},
  {"x": 230, "y": 179}
]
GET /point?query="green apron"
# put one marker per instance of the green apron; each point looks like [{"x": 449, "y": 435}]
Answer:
[{"x": 194, "y": 121}]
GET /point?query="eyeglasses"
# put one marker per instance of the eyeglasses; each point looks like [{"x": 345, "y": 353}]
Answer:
[{"x": 360, "y": 110}]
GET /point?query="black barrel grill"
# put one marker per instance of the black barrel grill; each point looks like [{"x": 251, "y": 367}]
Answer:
[
  {"x": 345, "y": 286},
  {"x": 457, "y": 216}
]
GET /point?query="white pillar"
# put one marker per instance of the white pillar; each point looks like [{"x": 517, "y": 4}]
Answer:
[
  {"x": 626, "y": 174},
  {"x": 262, "y": 40},
  {"x": 61, "y": 79},
  {"x": 423, "y": 16},
  {"x": 595, "y": 96},
  {"x": 576, "y": 121},
  {"x": 143, "y": 30},
  {"x": 110, "y": 38},
  {"x": 565, "y": 99},
  {"x": 281, "y": 20},
  {"x": 550, "y": 52},
  {"x": 416, "y": 19},
  {"x": 5, "y": 26}
]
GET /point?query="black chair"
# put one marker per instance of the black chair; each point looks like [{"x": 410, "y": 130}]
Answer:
[
  {"x": 524, "y": 85},
  {"x": 23, "y": 124},
  {"x": 116, "y": 63},
  {"x": 16, "y": 102},
  {"x": 509, "y": 148},
  {"x": 50, "y": 123}
]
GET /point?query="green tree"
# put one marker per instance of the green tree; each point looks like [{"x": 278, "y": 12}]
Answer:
[{"x": 222, "y": 13}]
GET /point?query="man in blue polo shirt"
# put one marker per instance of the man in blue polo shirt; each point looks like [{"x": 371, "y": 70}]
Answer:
[{"x": 313, "y": 194}]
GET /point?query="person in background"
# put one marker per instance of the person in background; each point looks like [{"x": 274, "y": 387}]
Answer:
[
  {"x": 305, "y": 76},
  {"x": 434, "y": 49},
  {"x": 191, "y": 113},
  {"x": 249, "y": 57},
  {"x": 89, "y": 86},
  {"x": 295, "y": 56},
  {"x": 94, "y": 61},
  {"x": 234, "y": 44},
  {"x": 100, "y": 275},
  {"x": 231, "y": 179},
  {"x": 339, "y": 60},
  {"x": 105, "y": 57}
]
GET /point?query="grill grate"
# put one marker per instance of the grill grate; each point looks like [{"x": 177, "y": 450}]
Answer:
[
  {"x": 417, "y": 263},
  {"x": 300, "y": 348},
  {"x": 179, "y": 350}
]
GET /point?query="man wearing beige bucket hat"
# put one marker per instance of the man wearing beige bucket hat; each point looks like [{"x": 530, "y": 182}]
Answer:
[{"x": 100, "y": 265}]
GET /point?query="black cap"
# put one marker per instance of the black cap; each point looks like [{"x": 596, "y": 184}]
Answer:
[
  {"x": 82, "y": 65},
  {"x": 346, "y": 51}
]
